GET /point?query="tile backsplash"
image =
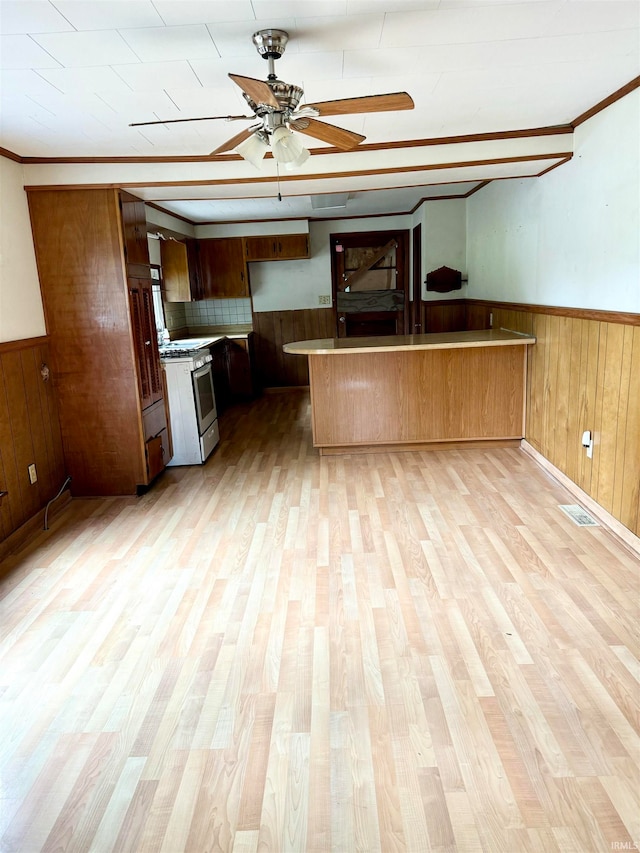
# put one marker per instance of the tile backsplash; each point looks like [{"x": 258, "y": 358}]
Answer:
[{"x": 207, "y": 312}]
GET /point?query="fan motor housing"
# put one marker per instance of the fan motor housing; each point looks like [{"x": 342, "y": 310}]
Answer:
[{"x": 270, "y": 44}]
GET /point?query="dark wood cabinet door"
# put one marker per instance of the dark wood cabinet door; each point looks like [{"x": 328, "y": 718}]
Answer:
[
  {"x": 220, "y": 371},
  {"x": 241, "y": 385},
  {"x": 260, "y": 248},
  {"x": 223, "y": 268},
  {"x": 134, "y": 226},
  {"x": 145, "y": 341},
  {"x": 195, "y": 273},
  {"x": 292, "y": 246},
  {"x": 276, "y": 247}
]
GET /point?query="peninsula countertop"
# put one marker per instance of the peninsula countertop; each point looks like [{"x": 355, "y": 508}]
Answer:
[{"x": 397, "y": 343}]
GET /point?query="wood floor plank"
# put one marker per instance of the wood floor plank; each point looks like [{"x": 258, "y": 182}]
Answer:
[{"x": 278, "y": 651}]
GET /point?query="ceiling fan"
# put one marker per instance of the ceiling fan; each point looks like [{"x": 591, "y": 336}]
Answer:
[{"x": 275, "y": 106}]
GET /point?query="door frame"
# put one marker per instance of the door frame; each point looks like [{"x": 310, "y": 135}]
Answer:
[
  {"x": 416, "y": 259},
  {"x": 401, "y": 236}
]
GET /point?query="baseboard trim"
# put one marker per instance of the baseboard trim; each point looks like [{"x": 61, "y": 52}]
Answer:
[
  {"x": 31, "y": 528},
  {"x": 417, "y": 446},
  {"x": 284, "y": 389},
  {"x": 605, "y": 518}
]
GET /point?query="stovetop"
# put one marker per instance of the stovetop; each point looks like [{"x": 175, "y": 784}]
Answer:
[{"x": 186, "y": 348}]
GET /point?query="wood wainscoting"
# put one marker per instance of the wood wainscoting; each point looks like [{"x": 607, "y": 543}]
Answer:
[
  {"x": 272, "y": 329},
  {"x": 583, "y": 374},
  {"x": 29, "y": 434}
]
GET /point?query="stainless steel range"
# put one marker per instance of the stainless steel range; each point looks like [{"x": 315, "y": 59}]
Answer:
[{"x": 192, "y": 403}]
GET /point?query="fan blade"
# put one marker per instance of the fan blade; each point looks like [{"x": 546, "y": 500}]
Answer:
[
  {"x": 337, "y": 136},
  {"x": 200, "y": 118},
  {"x": 257, "y": 90},
  {"x": 366, "y": 104},
  {"x": 230, "y": 144}
]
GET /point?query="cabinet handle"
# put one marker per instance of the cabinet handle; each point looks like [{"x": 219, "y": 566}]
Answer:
[{"x": 279, "y": 247}]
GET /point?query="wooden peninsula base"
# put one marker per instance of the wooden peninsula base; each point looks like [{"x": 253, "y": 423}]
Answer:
[{"x": 416, "y": 391}]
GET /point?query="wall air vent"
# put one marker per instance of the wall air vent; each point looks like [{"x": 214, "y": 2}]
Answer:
[{"x": 578, "y": 515}]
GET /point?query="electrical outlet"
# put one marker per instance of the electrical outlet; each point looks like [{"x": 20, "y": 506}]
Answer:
[
  {"x": 33, "y": 476},
  {"x": 324, "y": 299}
]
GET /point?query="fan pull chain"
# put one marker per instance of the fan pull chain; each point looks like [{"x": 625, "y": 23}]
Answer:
[{"x": 278, "y": 174}]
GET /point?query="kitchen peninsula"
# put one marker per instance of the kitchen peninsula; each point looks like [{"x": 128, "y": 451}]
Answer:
[{"x": 416, "y": 391}]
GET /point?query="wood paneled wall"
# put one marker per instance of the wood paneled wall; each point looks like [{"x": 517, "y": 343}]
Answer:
[
  {"x": 29, "y": 433},
  {"x": 272, "y": 329},
  {"x": 583, "y": 374},
  {"x": 444, "y": 315}
]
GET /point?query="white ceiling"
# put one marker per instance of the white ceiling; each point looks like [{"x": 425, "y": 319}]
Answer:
[{"x": 75, "y": 73}]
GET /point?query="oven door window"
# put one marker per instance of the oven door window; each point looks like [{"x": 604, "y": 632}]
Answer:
[{"x": 205, "y": 400}]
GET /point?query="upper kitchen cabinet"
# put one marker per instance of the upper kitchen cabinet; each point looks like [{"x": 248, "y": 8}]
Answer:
[
  {"x": 223, "y": 267},
  {"x": 180, "y": 270},
  {"x": 134, "y": 230},
  {"x": 102, "y": 340},
  {"x": 278, "y": 247}
]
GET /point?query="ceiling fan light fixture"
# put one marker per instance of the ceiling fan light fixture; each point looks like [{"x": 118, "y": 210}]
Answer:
[
  {"x": 254, "y": 148},
  {"x": 299, "y": 161},
  {"x": 287, "y": 148}
]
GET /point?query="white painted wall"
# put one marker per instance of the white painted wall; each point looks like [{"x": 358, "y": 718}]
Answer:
[
  {"x": 572, "y": 237},
  {"x": 285, "y": 285},
  {"x": 21, "y": 313},
  {"x": 444, "y": 242},
  {"x": 253, "y": 229}
]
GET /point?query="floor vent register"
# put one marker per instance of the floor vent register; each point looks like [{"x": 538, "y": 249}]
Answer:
[{"x": 578, "y": 515}]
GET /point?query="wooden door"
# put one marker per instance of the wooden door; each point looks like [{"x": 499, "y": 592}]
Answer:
[
  {"x": 145, "y": 341},
  {"x": 370, "y": 282}
]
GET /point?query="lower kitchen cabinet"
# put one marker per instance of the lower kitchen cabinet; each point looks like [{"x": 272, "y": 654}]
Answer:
[
  {"x": 242, "y": 380},
  {"x": 220, "y": 371},
  {"x": 233, "y": 367},
  {"x": 157, "y": 440}
]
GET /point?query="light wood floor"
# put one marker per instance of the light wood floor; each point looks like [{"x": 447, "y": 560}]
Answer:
[{"x": 281, "y": 652}]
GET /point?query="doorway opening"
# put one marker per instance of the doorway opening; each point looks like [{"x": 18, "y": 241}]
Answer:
[{"x": 370, "y": 282}]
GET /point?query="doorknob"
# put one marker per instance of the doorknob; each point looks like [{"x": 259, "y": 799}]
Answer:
[{"x": 341, "y": 319}]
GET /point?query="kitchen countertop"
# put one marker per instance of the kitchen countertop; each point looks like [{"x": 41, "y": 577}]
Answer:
[
  {"x": 438, "y": 340},
  {"x": 213, "y": 334}
]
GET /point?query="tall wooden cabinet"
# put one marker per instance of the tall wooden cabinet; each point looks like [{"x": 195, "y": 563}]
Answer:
[{"x": 94, "y": 271}]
